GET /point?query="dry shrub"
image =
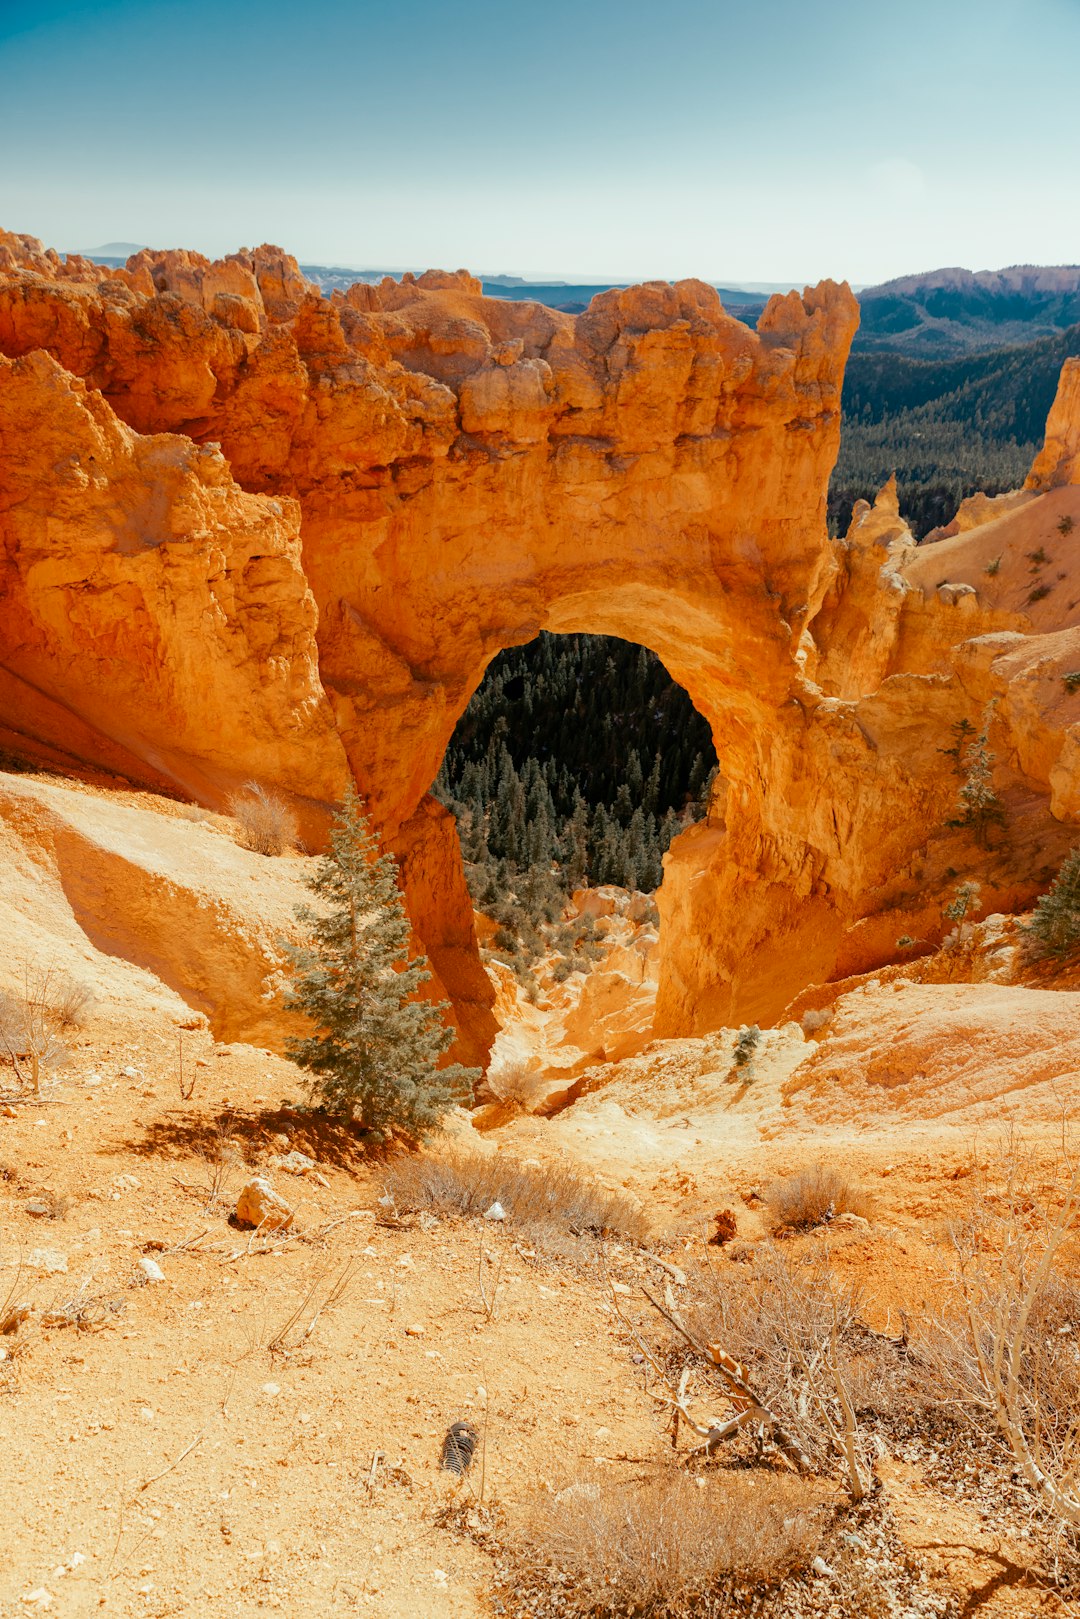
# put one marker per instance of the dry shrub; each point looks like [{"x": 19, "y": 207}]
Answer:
[
  {"x": 789, "y": 1322},
  {"x": 1001, "y": 1354},
  {"x": 662, "y": 1545},
  {"x": 544, "y": 1201},
  {"x": 73, "y": 1001},
  {"x": 34, "y": 1016},
  {"x": 516, "y": 1086},
  {"x": 812, "y": 1198},
  {"x": 268, "y": 825}
]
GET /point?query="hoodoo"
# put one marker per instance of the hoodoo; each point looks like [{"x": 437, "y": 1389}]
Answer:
[{"x": 251, "y": 533}]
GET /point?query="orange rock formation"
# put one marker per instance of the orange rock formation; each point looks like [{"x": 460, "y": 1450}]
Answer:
[{"x": 469, "y": 471}]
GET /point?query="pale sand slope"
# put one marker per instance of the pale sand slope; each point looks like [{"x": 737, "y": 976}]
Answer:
[
  {"x": 159, "y": 913},
  {"x": 900, "y": 1068}
]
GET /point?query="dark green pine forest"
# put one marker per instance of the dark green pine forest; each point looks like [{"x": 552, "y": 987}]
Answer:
[
  {"x": 945, "y": 427},
  {"x": 575, "y": 763},
  {"x": 579, "y": 758}
]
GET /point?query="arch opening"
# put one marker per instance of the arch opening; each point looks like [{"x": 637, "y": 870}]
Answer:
[{"x": 575, "y": 764}]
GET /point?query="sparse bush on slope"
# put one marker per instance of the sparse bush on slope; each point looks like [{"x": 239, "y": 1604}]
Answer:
[
  {"x": 813, "y": 1197},
  {"x": 267, "y": 823},
  {"x": 542, "y": 1200}
]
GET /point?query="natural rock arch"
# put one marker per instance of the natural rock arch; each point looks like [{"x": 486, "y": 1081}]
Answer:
[
  {"x": 436, "y": 475},
  {"x": 652, "y": 470}
]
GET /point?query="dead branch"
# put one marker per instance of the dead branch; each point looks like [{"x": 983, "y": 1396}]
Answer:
[
  {"x": 750, "y": 1411},
  {"x": 999, "y": 1366},
  {"x": 490, "y": 1306},
  {"x": 279, "y": 1344},
  {"x": 185, "y": 1452}
]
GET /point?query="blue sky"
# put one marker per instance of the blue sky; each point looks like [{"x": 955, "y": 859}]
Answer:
[{"x": 595, "y": 138}]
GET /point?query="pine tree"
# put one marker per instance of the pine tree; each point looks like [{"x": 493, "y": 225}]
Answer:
[
  {"x": 374, "y": 1049},
  {"x": 1055, "y": 924},
  {"x": 978, "y": 804}
]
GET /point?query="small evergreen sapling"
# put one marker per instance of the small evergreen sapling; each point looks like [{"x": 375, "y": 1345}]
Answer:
[
  {"x": 747, "y": 1042},
  {"x": 966, "y": 897},
  {"x": 963, "y": 733},
  {"x": 979, "y": 806},
  {"x": 374, "y": 1050},
  {"x": 1054, "y": 929}
]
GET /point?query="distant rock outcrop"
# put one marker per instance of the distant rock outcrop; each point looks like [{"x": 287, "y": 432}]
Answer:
[{"x": 343, "y": 508}]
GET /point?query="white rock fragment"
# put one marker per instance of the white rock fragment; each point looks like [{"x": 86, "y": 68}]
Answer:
[
  {"x": 496, "y": 1212},
  {"x": 151, "y": 1270},
  {"x": 50, "y": 1260},
  {"x": 296, "y": 1163}
]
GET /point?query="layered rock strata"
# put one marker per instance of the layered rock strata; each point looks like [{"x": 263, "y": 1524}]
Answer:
[{"x": 463, "y": 472}]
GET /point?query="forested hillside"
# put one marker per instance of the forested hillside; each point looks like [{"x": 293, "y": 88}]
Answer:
[
  {"x": 576, "y": 762},
  {"x": 954, "y": 312},
  {"x": 946, "y": 427}
]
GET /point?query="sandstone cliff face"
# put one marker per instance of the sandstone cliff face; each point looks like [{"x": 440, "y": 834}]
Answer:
[
  {"x": 140, "y": 592},
  {"x": 1059, "y": 460},
  {"x": 471, "y": 471}
]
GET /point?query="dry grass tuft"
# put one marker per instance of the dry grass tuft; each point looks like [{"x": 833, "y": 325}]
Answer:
[
  {"x": 267, "y": 823},
  {"x": 50, "y": 1205},
  {"x": 660, "y": 1546},
  {"x": 33, "y": 1017},
  {"x": 1001, "y": 1351},
  {"x": 813, "y": 1198},
  {"x": 73, "y": 1001},
  {"x": 545, "y": 1201},
  {"x": 516, "y": 1086}
]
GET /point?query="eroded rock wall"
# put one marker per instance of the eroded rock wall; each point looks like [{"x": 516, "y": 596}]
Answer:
[{"x": 469, "y": 471}]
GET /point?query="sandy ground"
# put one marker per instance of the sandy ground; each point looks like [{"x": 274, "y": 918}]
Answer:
[{"x": 262, "y": 1428}]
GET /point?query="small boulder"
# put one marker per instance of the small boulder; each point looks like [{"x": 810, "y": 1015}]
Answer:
[
  {"x": 297, "y": 1163},
  {"x": 259, "y": 1205},
  {"x": 151, "y": 1270},
  {"x": 50, "y": 1260},
  {"x": 495, "y": 1212}
]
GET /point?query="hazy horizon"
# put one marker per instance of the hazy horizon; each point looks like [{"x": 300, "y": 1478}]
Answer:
[{"x": 774, "y": 146}]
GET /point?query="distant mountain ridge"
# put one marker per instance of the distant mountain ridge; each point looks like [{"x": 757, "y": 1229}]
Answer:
[
  {"x": 572, "y": 297},
  {"x": 1025, "y": 278},
  {"x": 112, "y": 250},
  {"x": 942, "y": 314}
]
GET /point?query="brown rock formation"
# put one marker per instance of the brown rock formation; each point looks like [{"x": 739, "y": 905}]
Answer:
[{"x": 470, "y": 471}]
